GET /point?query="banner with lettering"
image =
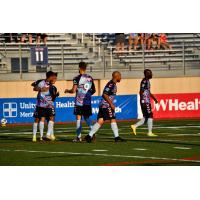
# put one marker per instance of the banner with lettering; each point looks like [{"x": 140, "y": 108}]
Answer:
[
  {"x": 20, "y": 110},
  {"x": 185, "y": 105}
]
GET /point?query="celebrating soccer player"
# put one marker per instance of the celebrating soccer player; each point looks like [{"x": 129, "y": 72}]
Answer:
[
  {"x": 145, "y": 102},
  {"x": 84, "y": 87},
  {"x": 107, "y": 108},
  {"x": 45, "y": 106}
]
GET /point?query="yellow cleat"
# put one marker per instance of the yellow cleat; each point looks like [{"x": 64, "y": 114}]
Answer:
[
  {"x": 134, "y": 129},
  {"x": 151, "y": 135},
  {"x": 34, "y": 139},
  {"x": 41, "y": 139},
  {"x": 53, "y": 137}
]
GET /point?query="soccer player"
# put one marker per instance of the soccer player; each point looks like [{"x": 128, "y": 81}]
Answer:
[
  {"x": 45, "y": 106},
  {"x": 83, "y": 86},
  {"x": 107, "y": 109},
  {"x": 145, "y": 102}
]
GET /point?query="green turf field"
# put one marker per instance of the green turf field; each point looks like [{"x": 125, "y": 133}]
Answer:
[{"x": 178, "y": 143}]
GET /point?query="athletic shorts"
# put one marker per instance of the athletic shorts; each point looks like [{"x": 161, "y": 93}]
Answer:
[
  {"x": 146, "y": 110},
  {"x": 106, "y": 114},
  {"x": 44, "y": 112},
  {"x": 85, "y": 110}
]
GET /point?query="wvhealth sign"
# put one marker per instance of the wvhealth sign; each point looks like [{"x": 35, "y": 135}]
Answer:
[
  {"x": 20, "y": 110},
  {"x": 177, "y": 106}
]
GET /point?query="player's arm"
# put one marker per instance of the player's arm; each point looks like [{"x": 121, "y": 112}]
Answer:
[
  {"x": 106, "y": 97},
  {"x": 106, "y": 92},
  {"x": 74, "y": 88},
  {"x": 71, "y": 91},
  {"x": 154, "y": 98},
  {"x": 93, "y": 89}
]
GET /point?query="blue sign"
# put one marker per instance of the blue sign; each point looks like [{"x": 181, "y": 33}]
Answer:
[
  {"x": 39, "y": 56},
  {"x": 20, "y": 110}
]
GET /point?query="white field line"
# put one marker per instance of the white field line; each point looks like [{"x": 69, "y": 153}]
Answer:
[
  {"x": 103, "y": 155},
  {"x": 139, "y": 149},
  {"x": 99, "y": 150},
  {"x": 181, "y": 148}
]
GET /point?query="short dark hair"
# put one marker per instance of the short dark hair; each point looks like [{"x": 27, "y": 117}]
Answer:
[
  {"x": 146, "y": 70},
  {"x": 82, "y": 65},
  {"x": 50, "y": 73}
]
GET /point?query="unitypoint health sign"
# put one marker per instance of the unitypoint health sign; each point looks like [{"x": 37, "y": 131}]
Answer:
[
  {"x": 177, "y": 106},
  {"x": 20, "y": 110}
]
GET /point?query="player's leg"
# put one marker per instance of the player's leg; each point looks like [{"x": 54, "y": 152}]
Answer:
[
  {"x": 87, "y": 112},
  {"x": 50, "y": 128},
  {"x": 35, "y": 126},
  {"x": 94, "y": 129},
  {"x": 41, "y": 127},
  {"x": 150, "y": 121},
  {"x": 142, "y": 121},
  {"x": 78, "y": 128},
  {"x": 115, "y": 130}
]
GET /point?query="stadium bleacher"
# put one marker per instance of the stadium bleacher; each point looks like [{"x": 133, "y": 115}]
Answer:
[{"x": 65, "y": 51}]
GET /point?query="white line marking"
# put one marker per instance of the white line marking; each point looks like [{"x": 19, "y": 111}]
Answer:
[
  {"x": 103, "y": 155},
  {"x": 182, "y": 148},
  {"x": 139, "y": 149},
  {"x": 100, "y": 150}
]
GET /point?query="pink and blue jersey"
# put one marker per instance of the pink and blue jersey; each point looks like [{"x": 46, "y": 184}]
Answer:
[
  {"x": 145, "y": 88},
  {"x": 111, "y": 90},
  {"x": 44, "y": 99},
  {"x": 85, "y": 89}
]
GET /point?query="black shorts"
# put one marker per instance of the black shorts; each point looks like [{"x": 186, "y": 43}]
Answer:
[
  {"x": 44, "y": 112},
  {"x": 146, "y": 110},
  {"x": 106, "y": 114},
  {"x": 85, "y": 110}
]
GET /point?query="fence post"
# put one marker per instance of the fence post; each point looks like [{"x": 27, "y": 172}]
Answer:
[
  {"x": 81, "y": 38},
  {"x": 104, "y": 62},
  {"x": 62, "y": 55},
  {"x": 20, "y": 61},
  {"x": 183, "y": 58},
  {"x": 143, "y": 56},
  {"x": 111, "y": 57}
]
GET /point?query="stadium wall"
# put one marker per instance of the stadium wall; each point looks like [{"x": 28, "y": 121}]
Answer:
[{"x": 23, "y": 89}]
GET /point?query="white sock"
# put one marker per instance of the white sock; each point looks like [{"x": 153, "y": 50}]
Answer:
[
  {"x": 88, "y": 122},
  {"x": 115, "y": 129},
  {"x": 150, "y": 125},
  {"x": 50, "y": 128},
  {"x": 78, "y": 128},
  {"x": 35, "y": 125},
  {"x": 41, "y": 129},
  {"x": 140, "y": 123},
  {"x": 94, "y": 129}
]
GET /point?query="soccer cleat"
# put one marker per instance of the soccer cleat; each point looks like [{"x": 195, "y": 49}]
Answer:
[
  {"x": 134, "y": 129},
  {"x": 119, "y": 139},
  {"x": 41, "y": 139},
  {"x": 53, "y": 138},
  {"x": 151, "y": 135},
  {"x": 34, "y": 138},
  {"x": 88, "y": 138},
  {"x": 77, "y": 139}
]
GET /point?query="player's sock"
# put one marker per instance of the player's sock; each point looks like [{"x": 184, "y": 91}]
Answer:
[
  {"x": 88, "y": 122},
  {"x": 140, "y": 123},
  {"x": 41, "y": 129},
  {"x": 94, "y": 129},
  {"x": 35, "y": 125},
  {"x": 78, "y": 128},
  {"x": 50, "y": 128},
  {"x": 150, "y": 125},
  {"x": 115, "y": 129}
]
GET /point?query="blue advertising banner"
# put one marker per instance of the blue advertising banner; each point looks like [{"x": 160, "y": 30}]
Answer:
[{"x": 20, "y": 110}]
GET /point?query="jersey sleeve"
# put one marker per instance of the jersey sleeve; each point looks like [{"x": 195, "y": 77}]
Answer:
[
  {"x": 143, "y": 86},
  {"x": 75, "y": 80},
  {"x": 41, "y": 84},
  {"x": 108, "y": 89}
]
